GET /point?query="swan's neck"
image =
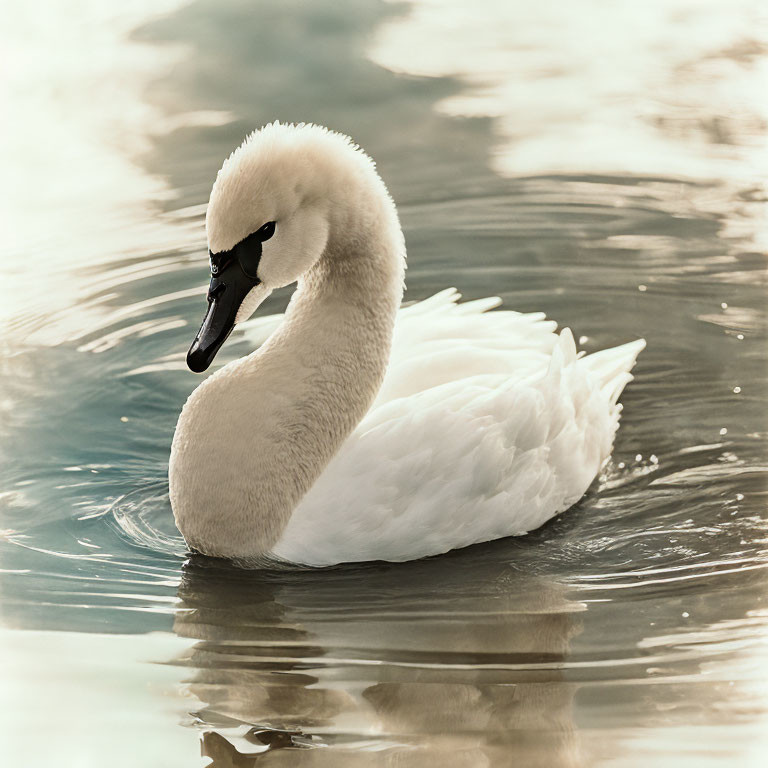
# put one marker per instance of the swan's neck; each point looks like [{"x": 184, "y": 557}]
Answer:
[{"x": 255, "y": 436}]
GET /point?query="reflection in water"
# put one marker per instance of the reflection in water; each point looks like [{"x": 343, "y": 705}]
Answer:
[
  {"x": 596, "y": 87},
  {"x": 296, "y": 63},
  {"x": 70, "y": 201},
  {"x": 403, "y": 665}
]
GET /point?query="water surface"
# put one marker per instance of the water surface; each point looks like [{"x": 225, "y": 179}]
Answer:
[{"x": 605, "y": 166}]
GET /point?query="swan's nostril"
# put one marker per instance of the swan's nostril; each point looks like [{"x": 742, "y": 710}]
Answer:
[{"x": 214, "y": 292}]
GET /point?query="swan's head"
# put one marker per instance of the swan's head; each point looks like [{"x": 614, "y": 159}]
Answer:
[{"x": 269, "y": 219}]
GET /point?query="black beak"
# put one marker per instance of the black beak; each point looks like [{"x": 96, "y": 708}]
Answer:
[
  {"x": 233, "y": 274},
  {"x": 225, "y": 295}
]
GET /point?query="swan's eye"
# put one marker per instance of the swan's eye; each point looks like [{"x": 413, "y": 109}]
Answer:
[
  {"x": 265, "y": 232},
  {"x": 247, "y": 252}
]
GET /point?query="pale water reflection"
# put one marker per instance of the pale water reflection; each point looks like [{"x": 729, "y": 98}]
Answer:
[
  {"x": 458, "y": 662},
  {"x": 659, "y": 88},
  {"x": 604, "y": 165}
]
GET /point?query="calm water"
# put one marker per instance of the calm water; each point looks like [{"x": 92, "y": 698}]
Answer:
[{"x": 604, "y": 164}]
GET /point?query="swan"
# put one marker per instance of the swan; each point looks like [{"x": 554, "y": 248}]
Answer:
[{"x": 359, "y": 430}]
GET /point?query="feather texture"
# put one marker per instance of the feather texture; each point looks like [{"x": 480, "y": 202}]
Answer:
[{"x": 487, "y": 425}]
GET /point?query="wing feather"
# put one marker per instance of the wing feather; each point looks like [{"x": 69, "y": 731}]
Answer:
[{"x": 487, "y": 425}]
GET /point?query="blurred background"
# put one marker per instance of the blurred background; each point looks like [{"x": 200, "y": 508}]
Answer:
[{"x": 602, "y": 162}]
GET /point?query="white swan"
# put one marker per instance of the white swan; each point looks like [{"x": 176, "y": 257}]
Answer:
[{"x": 357, "y": 431}]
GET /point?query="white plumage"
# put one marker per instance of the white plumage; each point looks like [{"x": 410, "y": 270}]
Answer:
[{"x": 486, "y": 424}]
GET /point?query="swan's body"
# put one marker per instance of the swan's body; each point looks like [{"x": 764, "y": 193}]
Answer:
[{"x": 321, "y": 447}]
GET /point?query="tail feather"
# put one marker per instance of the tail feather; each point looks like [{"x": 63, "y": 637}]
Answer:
[{"x": 612, "y": 367}]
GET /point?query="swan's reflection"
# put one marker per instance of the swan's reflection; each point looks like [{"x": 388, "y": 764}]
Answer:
[{"x": 453, "y": 661}]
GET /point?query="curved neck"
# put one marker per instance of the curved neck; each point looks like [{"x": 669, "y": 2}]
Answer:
[{"x": 272, "y": 421}]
